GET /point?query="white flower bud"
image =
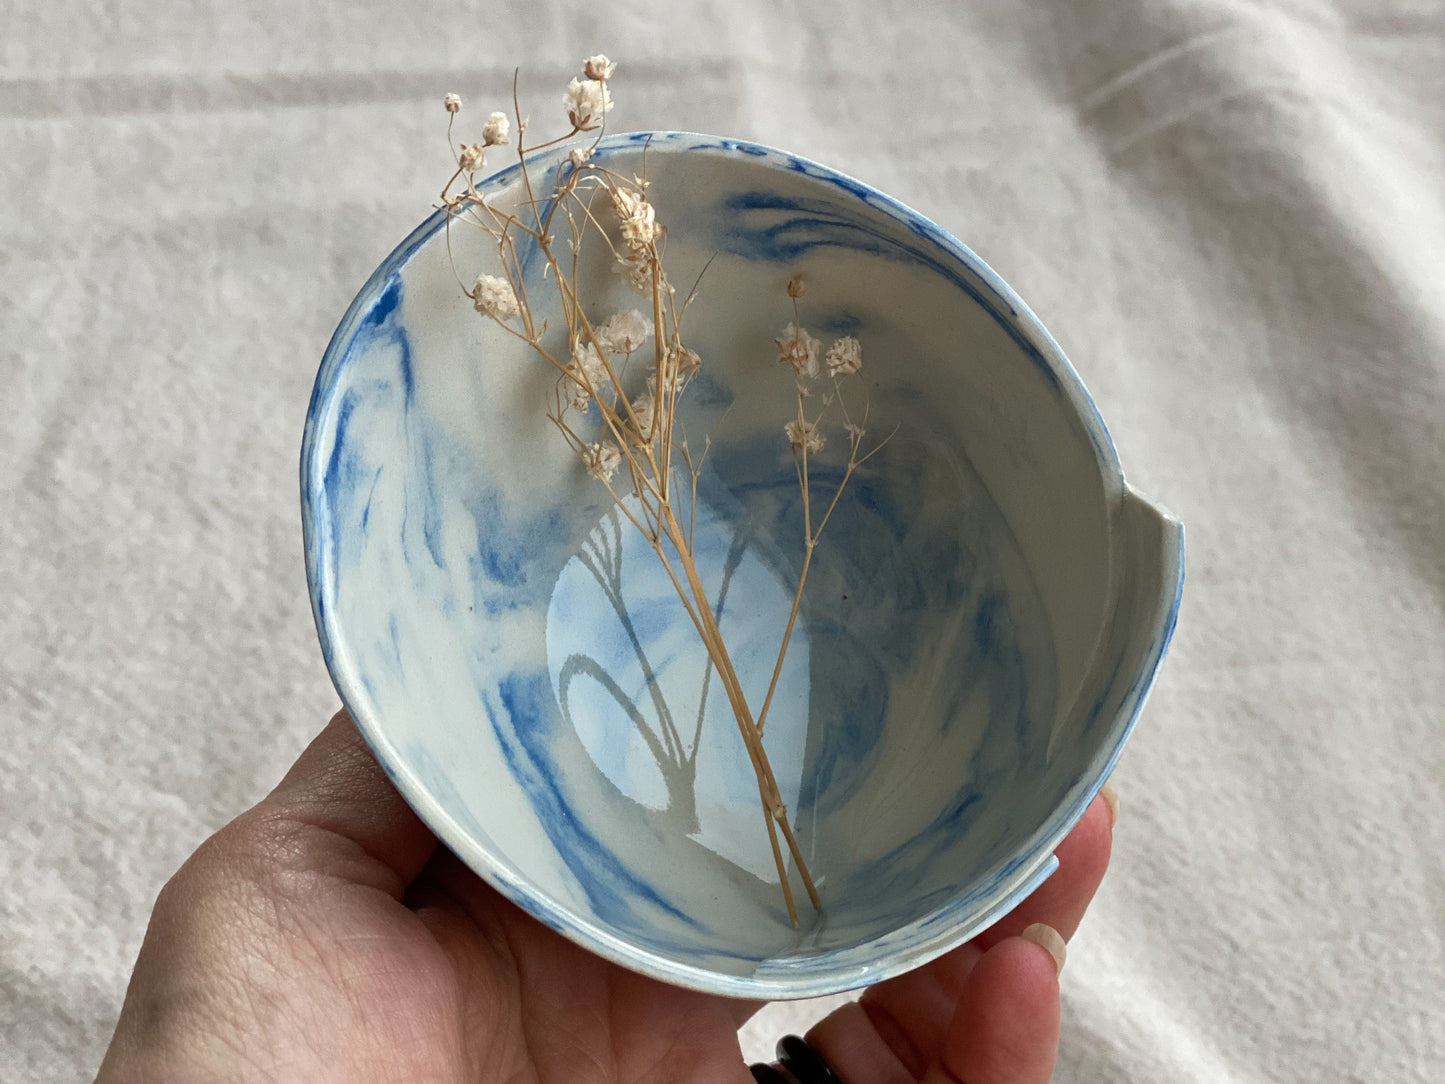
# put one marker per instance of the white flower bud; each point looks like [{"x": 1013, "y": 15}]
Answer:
[
  {"x": 685, "y": 363},
  {"x": 636, "y": 270},
  {"x": 601, "y": 460},
  {"x": 586, "y": 101},
  {"x": 804, "y": 436},
  {"x": 844, "y": 357},
  {"x": 598, "y": 67},
  {"x": 624, "y": 332},
  {"x": 799, "y": 350},
  {"x": 473, "y": 157},
  {"x": 588, "y": 375},
  {"x": 495, "y": 130},
  {"x": 644, "y": 413},
  {"x": 678, "y": 368},
  {"x": 639, "y": 220},
  {"x": 453, "y": 103},
  {"x": 493, "y": 296},
  {"x": 586, "y": 355}
]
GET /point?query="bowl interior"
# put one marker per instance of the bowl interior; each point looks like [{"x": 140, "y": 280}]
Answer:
[{"x": 517, "y": 657}]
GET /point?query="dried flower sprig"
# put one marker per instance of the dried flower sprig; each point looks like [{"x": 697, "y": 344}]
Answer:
[
  {"x": 632, "y": 443},
  {"x": 799, "y": 350}
]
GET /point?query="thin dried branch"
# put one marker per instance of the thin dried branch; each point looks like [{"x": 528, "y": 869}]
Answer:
[{"x": 638, "y": 436}]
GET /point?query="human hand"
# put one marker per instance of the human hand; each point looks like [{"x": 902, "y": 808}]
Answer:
[{"x": 325, "y": 936}]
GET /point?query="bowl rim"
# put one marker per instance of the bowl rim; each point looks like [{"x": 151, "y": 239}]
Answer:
[{"x": 1028, "y": 868}]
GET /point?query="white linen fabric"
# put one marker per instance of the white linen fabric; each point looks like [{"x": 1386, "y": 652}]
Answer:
[{"x": 1231, "y": 213}]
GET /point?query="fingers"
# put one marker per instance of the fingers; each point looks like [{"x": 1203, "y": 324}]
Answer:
[
  {"x": 897, "y": 1027},
  {"x": 1061, "y": 901},
  {"x": 336, "y": 811},
  {"x": 1006, "y": 1030},
  {"x": 862, "y": 1041}
]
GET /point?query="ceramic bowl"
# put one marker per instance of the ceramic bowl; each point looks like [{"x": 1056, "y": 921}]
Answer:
[{"x": 983, "y": 619}]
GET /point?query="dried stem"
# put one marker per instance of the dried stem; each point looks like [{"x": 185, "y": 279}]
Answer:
[{"x": 640, "y": 436}]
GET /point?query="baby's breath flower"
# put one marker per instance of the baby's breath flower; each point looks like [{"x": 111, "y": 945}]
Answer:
[
  {"x": 644, "y": 413},
  {"x": 844, "y": 357},
  {"x": 804, "y": 436},
  {"x": 598, "y": 67},
  {"x": 624, "y": 332},
  {"x": 639, "y": 220},
  {"x": 586, "y": 101},
  {"x": 799, "y": 350},
  {"x": 636, "y": 270},
  {"x": 495, "y": 297},
  {"x": 685, "y": 363},
  {"x": 473, "y": 157},
  {"x": 584, "y": 376},
  {"x": 631, "y": 429},
  {"x": 678, "y": 367},
  {"x": 495, "y": 130},
  {"x": 576, "y": 397},
  {"x": 589, "y": 361},
  {"x": 601, "y": 460}
]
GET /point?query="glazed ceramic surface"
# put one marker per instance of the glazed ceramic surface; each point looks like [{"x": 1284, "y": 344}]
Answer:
[{"x": 983, "y": 619}]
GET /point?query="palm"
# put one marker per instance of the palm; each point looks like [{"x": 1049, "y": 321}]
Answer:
[
  {"x": 324, "y": 935},
  {"x": 468, "y": 988}
]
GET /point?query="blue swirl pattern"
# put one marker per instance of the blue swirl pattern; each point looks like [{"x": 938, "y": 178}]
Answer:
[{"x": 985, "y": 613}]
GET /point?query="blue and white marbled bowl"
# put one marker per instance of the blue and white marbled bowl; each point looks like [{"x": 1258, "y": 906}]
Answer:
[{"x": 984, "y": 618}]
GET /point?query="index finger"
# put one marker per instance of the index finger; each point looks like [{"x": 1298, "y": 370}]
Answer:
[{"x": 896, "y": 1029}]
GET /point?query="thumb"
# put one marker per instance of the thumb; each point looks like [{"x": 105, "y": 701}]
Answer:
[
  {"x": 337, "y": 812},
  {"x": 208, "y": 959},
  {"x": 1006, "y": 1027}
]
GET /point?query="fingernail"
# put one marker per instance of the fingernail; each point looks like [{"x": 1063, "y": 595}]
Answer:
[
  {"x": 1047, "y": 938},
  {"x": 1111, "y": 799}
]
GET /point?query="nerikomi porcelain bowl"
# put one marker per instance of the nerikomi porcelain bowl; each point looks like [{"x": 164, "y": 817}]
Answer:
[{"x": 984, "y": 616}]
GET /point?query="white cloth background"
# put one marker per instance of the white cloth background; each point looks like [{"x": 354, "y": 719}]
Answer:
[{"x": 1230, "y": 212}]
